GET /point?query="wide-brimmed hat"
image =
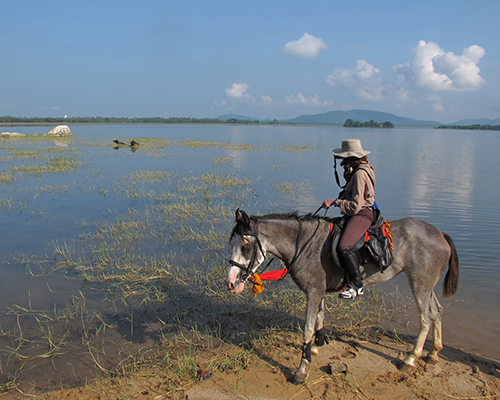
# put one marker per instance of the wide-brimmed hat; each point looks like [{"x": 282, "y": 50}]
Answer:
[{"x": 350, "y": 148}]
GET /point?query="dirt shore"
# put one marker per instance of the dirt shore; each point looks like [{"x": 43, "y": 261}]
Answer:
[{"x": 363, "y": 366}]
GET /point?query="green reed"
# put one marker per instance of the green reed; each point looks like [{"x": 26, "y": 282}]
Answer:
[{"x": 154, "y": 275}]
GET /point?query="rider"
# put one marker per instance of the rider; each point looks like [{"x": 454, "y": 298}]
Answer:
[{"x": 356, "y": 202}]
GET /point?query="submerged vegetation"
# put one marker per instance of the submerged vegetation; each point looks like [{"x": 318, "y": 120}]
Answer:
[{"x": 143, "y": 276}]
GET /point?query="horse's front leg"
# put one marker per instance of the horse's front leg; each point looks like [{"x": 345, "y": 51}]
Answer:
[
  {"x": 313, "y": 307},
  {"x": 319, "y": 334}
]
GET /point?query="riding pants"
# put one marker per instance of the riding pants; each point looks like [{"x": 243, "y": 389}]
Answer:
[
  {"x": 349, "y": 257},
  {"x": 355, "y": 227}
]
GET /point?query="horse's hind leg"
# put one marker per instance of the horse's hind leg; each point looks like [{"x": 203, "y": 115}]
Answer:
[
  {"x": 423, "y": 305},
  {"x": 313, "y": 309},
  {"x": 429, "y": 310},
  {"x": 436, "y": 312}
]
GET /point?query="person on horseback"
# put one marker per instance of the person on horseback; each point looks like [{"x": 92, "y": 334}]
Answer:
[{"x": 356, "y": 202}]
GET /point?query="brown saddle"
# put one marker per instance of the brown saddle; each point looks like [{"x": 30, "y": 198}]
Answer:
[{"x": 374, "y": 246}]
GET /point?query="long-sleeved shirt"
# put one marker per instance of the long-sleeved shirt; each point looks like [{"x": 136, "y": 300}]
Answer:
[{"x": 359, "y": 192}]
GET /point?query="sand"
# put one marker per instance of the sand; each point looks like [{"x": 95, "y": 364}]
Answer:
[{"x": 360, "y": 366}]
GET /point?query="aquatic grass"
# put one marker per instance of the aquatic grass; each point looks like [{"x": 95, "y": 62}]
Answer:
[
  {"x": 60, "y": 150},
  {"x": 217, "y": 145},
  {"x": 157, "y": 176},
  {"x": 36, "y": 138},
  {"x": 58, "y": 164},
  {"x": 219, "y": 179},
  {"x": 63, "y": 164},
  {"x": 152, "y": 281},
  {"x": 33, "y": 154},
  {"x": 294, "y": 148},
  {"x": 221, "y": 160},
  {"x": 285, "y": 187},
  {"x": 6, "y": 178},
  {"x": 157, "y": 143}
]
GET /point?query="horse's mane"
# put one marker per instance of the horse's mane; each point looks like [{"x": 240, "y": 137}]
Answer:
[
  {"x": 241, "y": 228},
  {"x": 291, "y": 215}
]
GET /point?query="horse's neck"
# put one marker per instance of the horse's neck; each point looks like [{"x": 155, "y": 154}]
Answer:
[{"x": 280, "y": 237}]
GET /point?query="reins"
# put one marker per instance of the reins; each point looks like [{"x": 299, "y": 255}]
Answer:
[
  {"x": 247, "y": 271},
  {"x": 299, "y": 237}
]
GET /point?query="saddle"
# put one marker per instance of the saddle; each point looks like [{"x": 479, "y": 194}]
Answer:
[{"x": 374, "y": 246}]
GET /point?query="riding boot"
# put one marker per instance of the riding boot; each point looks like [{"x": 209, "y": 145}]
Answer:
[{"x": 350, "y": 260}]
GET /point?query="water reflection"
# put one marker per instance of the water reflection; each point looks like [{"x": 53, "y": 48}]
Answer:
[{"x": 442, "y": 176}]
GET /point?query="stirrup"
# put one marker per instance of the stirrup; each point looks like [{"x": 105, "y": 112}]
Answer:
[{"x": 351, "y": 293}]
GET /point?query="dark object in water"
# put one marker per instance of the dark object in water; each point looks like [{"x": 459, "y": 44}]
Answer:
[
  {"x": 133, "y": 143},
  {"x": 119, "y": 143}
]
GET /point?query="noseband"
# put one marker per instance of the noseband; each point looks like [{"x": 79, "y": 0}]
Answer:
[{"x": 247, "y": 271}]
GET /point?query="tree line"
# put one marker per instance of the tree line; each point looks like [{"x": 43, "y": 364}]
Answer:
[
  {"x": 349, "y": 123},
  {"x": 7, "y": 119},
  {"x": 475, "y": 127},
  {"x": 110, "y": 120}
]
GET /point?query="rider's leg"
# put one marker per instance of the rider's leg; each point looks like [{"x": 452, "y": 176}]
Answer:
[
  {"x": 349, "y": 257},
  {"x": 351, "y": 260}
]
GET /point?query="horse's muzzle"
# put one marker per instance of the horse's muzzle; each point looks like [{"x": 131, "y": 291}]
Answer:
[{"x": 239, "y": 279}]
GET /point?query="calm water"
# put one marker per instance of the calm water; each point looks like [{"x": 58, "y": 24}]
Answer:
[{"x": 448, "y": 178}]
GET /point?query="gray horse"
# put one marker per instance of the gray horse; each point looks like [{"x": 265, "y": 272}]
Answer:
[{"x": 420, "y": 250}]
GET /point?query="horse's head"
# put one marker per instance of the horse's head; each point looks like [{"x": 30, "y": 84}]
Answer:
[{"x": 247, "y": 252}]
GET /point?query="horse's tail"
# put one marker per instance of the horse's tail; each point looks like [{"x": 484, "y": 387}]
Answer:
[{"x": 450, "y": 284}]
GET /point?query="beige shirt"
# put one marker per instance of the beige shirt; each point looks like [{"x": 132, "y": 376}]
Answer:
[{"x": 359, "y": 192}]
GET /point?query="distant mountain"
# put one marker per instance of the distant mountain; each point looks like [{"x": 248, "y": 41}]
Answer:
[
  {"x": 339, "y": 117},
  {"x": 479, "y": 121},
  {"x": 240, "y": 117}
]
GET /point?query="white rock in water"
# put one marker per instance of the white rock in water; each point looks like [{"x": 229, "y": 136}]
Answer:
[{"x": 60, "y": 130}]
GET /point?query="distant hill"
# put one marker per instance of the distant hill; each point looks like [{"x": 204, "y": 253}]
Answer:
[
  {"x": 479, "y": 121},
  {"x": 339, "y": 117}
]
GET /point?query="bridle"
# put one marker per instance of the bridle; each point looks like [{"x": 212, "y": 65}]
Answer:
[{"x": 247, "y": 270}]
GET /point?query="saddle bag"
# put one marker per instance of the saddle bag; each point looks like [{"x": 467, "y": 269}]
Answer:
[{"x": 379, "y": 247}]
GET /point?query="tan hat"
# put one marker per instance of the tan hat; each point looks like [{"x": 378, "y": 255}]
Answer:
[{"x": 350, "y": 148}]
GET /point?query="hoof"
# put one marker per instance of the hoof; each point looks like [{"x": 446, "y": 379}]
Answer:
[
  {"x": 406, "y": 368},
  {"x": 431, "y": 360},
  {"x": 299, "y": 378},
  {"x": 314, "y": 350}
]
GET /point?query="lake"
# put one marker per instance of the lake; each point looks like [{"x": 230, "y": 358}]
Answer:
[{"x": 53, "y": 222}]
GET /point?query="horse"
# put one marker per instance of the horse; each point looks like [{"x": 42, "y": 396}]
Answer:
[{"x": 420, "y": 250}]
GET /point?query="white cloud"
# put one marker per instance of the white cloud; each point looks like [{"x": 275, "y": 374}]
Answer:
[
  {"x": 299, "y": 98},
  {"x": 237, "y": 91},
  {"x": 364, "y": 79},
  {"x": 434, "y": 69},
  {"x": 438, "y": 107},
  {"x": 266, "y": 99},
  {"x": 367, "y": 93},
  {"x": 307, "y": 46}
]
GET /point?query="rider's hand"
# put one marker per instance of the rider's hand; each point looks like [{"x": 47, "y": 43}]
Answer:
[{"x": 328, "y": 203}]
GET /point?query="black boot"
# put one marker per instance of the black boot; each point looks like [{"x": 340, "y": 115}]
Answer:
[{"x": 350, "y": 260}]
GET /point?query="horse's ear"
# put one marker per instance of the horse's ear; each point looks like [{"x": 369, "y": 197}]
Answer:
[{"x": 242, "y": 217}]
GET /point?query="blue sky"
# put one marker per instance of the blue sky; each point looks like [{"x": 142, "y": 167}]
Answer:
[{"x": 432, "y": 60}]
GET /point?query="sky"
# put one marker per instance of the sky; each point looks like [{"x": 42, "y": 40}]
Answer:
[{"x": 428, "y": 60}]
